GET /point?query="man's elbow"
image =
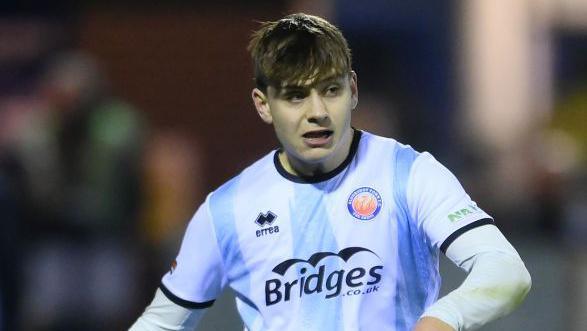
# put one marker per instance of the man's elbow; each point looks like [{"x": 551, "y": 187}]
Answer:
[
  {"x": 521, "y": 285},
  {"x": 510, "y": 283},
  {"x": 513, "y": 287}
]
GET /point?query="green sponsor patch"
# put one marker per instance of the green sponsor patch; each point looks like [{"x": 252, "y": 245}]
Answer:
[{"x": 460, "y": 214}]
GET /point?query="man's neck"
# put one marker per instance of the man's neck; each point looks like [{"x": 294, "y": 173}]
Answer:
[{"x": 297, "y": 167}]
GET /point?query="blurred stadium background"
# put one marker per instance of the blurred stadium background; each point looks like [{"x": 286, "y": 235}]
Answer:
[{"x": 116, "y": 118}]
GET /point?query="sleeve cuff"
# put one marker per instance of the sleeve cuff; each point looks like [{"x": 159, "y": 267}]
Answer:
[
  {"x": 459, "y": 232},
  {"x": 185, "y": 303}
]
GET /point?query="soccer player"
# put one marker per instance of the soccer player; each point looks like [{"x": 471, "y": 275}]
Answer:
[{"x": 339, "y": 229}]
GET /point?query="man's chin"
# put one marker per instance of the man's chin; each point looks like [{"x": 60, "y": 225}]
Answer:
[{"x": 315, "y": 156}]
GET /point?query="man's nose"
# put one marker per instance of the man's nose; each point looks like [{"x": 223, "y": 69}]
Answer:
[{"x": 317, "y": 110}]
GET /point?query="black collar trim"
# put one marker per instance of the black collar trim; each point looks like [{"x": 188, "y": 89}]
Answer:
[{"x": 321, "y": 177}]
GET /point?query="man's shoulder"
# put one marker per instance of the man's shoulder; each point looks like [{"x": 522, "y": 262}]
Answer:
[
  {"x": 261, "y": 172},
  {"x": 376, "y": 144}
]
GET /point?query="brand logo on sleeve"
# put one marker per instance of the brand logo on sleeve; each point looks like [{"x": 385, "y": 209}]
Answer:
[
  {"x": 364, "y": 203},
  {"x": 461, "y": 213}
]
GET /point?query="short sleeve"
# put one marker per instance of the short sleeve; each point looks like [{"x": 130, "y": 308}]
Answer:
[
  {"x": 196, "y": 277},
  {"x": 439, "y": 204}
]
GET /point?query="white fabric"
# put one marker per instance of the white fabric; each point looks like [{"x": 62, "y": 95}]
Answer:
[
  {"x": 164, "y": 315},
  {"x": 437, "y": 200},
  {"x": 300, "y": 257},
  {"x": 200, "y": 273},
  {"x": 497, "y": 282}
]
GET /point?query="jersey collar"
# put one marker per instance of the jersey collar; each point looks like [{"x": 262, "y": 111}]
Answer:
[{"x": 322, "y": 177}]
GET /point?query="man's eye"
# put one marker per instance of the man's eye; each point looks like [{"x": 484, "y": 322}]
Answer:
[
  {"x": 294, "y": 97},
  {"x": 332, "y": 90}
]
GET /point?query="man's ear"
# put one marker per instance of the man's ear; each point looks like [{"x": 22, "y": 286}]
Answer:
[
  {"x": 262, "y": 105},
  {"x": 354, "y": 89}
]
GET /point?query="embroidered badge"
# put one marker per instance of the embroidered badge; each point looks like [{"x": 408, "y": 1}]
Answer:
[{"x": 364, "y": 203}]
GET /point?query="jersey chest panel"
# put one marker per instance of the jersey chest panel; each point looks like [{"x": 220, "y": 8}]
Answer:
[{"x": 329, "y": 241}]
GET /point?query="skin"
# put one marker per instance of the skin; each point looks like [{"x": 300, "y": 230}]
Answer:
[
  {"x": 312, "y": 106},
  {"x": 432, "y": 324}
]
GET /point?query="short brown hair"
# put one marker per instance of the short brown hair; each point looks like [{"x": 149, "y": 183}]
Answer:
[{"x": 297, "y": 48}]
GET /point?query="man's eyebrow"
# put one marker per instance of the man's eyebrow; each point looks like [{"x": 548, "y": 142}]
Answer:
[
  {"x": 284, "y": 90},
  {"x": 324, "y": 81}
]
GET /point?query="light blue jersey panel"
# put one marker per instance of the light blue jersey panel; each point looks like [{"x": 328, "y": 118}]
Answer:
[
  {"x": 417, "y": 280},
  {"x": 312, "y": 233},
  {"x": 222, "y": 203}
]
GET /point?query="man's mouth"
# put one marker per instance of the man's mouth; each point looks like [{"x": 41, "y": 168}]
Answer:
[
  {"x": 317, "y": 138},
  {"x": 318, "y": 134}
]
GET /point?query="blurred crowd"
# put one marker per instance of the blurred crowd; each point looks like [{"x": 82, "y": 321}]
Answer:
[
  {"x": 95, "y": 192},
  {"x": 93, "y": 201}
]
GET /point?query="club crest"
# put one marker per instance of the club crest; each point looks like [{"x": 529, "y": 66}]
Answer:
[{"x": 364, "y": 203}]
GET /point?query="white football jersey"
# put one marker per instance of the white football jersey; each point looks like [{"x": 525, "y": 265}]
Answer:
[{"x": 353, "y": 249}]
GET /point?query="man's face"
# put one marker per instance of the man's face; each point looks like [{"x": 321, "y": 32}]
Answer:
[{"x": 312, "y": 120}]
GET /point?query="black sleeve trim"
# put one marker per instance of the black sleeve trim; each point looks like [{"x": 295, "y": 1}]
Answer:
[
  {"x": 185, "y": 303},
  {"x": 459, "y": 232}
]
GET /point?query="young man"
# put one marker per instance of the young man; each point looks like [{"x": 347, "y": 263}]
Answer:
[{"x": 339, "y": 229}]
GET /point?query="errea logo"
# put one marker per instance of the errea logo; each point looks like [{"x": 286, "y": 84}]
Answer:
[
  {"x": 266, "y": 219},
  {"x": 461, "y": 213}
]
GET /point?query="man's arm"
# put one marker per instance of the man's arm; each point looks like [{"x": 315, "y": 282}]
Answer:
[
  {"x": 165, "y": 315},
  {"x": 497, "y": 283},
  {"x": 195, "y": 279},
  {"x": 432, "y": 324}
]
